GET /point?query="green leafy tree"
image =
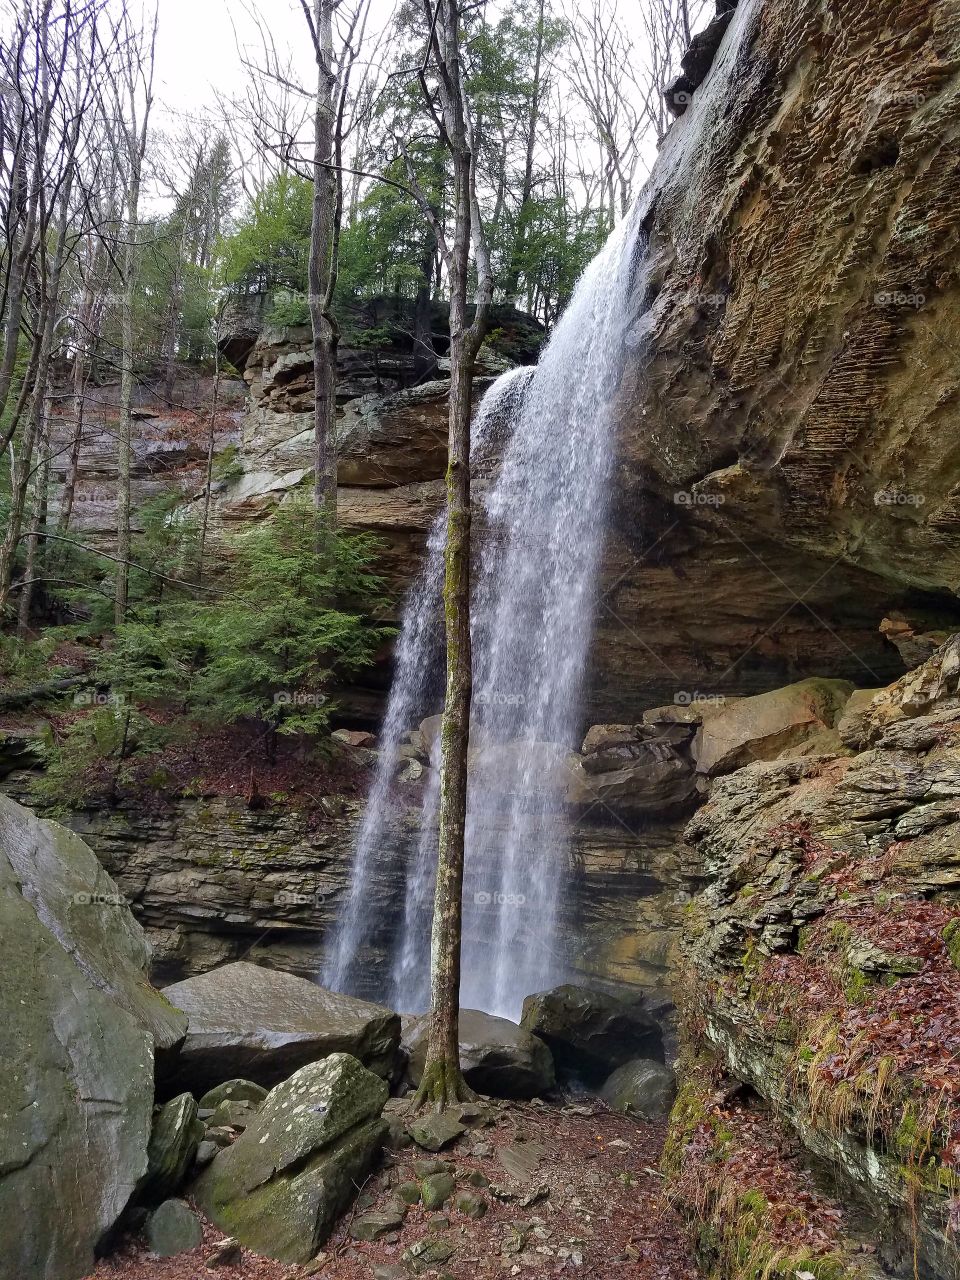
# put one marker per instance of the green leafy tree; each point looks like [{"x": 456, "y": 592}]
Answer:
[
  {"x": 293, "y": 620},
  {"x": 269, "y": 248}
]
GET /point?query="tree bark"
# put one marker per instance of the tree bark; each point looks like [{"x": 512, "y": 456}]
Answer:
[
  {"x": 443, "y": 1083},
  {"x": 325, "y": 185}
]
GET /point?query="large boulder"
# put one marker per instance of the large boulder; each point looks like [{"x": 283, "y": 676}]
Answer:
[
  {"x": 80, "y": 1022},
  {"x": 762, "y": 727},
  {"x": 641, "y": 1088},
  {"x": 281, "y": 1186},
  {"x": 262, "y": 1024},
  {"x": 498, "y": 1057},
  {"x": 591, "y": 1032}
]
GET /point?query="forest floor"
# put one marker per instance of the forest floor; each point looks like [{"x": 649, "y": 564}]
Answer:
[{"x": 592, "y": 1206}]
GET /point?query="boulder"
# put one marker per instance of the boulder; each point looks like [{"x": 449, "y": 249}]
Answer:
[
  {"x": 264, "y": 1025},
  {"x": 176, "y": 1136},
  {"x": 91, "y": 919},
  {"x": 436, "y": 1130},
  {"x": 80, "y": 1022},
  {"x": 173, "y": 1229},
  {"x": 658, "y": 779},
  {"x": 852, "y": 727},
  {"x": 281, "y": 1186},
  {"x": 760, "y": 728},
  {"x": 641, "y": 1088},
  {"x": 233, "y": 1091},
  {"x": 497, "y": 1056},
  {"x": 591, "y": 1032}
]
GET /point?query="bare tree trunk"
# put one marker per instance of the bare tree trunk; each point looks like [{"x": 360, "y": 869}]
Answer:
[
  {"x": 211, "y": 436},
  {"x": 533, "y": 120},
  {"x": 38, "y": 522},
  {"x": 325, "y": 184},
  {"x": 20, "y": 473},
  {"x": 443, "y": 1083},
  {"x": 136, "y": 146}
]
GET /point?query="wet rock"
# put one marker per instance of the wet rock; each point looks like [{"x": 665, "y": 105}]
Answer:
[
  {"x": 590, "y": 1032},
  {"x": 641, "y": 1088},
  {"x": 173, "y": 1229},
  {"x": 497, "y": 1056},
  {"x": 281, "y": 1186},
  {"x": 263, "y": 1024},
  {"x": 174, "y": 1140}
]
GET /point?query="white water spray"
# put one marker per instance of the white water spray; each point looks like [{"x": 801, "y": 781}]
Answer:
[{"x": 540, "y": 536}]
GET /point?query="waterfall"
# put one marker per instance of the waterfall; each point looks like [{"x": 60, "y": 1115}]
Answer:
[{"x": 539, "y": 536}]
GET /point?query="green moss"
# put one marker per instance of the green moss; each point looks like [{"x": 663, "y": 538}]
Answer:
[
  {"x": 857, "y": 986},
  {"x": 951, "y": 936}
]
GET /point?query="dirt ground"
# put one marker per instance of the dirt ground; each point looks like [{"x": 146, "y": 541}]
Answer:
[{"x": 588, "y": 1202}]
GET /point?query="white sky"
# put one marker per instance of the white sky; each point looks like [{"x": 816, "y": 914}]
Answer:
[{"x": 197, "y": 51}]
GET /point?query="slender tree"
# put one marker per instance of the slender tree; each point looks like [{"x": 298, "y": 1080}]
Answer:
[
  {"x": 444, "y": 92},
  {"x": 134, "y": 96}
]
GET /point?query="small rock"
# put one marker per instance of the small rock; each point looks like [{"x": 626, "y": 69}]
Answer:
[
  {"x": 439, "y": 1222},
  {"x": 233, "y": 1115},
  {"x": 520, "y": 1160},
  {"x": 173, "y": 1229},
  {"x": 429, "y": 1252},
  {"x": 480, "y": 1150},
  {"x": 476, "y": 1178},
  {"x": 424, "y": 1168},
  {"x": 436, "y": 1131},
  {"x": 354, "y": 738},
  {"x": 232, "y": 1091},
  {"x": 409, "y": 1192},
  {"x": 205, "y": 1153},
  {"x": 389, "y": 1271},
  {"x": 436, "y": 1190},
  {"x": 470, "y": 1205},
  {"x": 534, "y": 1197},
  {"x": 227, "y": 1254},
  {"x": 371, "y": 1226},
  {"x": 220, "y": 1136}
]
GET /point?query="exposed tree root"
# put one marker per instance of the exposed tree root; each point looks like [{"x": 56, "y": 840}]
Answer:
[{"x": 442, "y": 1086}]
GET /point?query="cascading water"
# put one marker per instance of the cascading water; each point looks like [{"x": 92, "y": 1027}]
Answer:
[
  {"x": 417, "y": 687},
  {"x": 539, "y": 537}
]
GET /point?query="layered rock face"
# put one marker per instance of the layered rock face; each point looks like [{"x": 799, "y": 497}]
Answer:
[
  {"x": 213, "y": 882},
  {"x": 824, "y": 955},
  {"x": 789, "y": 466}
]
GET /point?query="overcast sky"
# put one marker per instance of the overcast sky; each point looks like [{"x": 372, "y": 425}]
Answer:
[{"x": 197, "y": 51}]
